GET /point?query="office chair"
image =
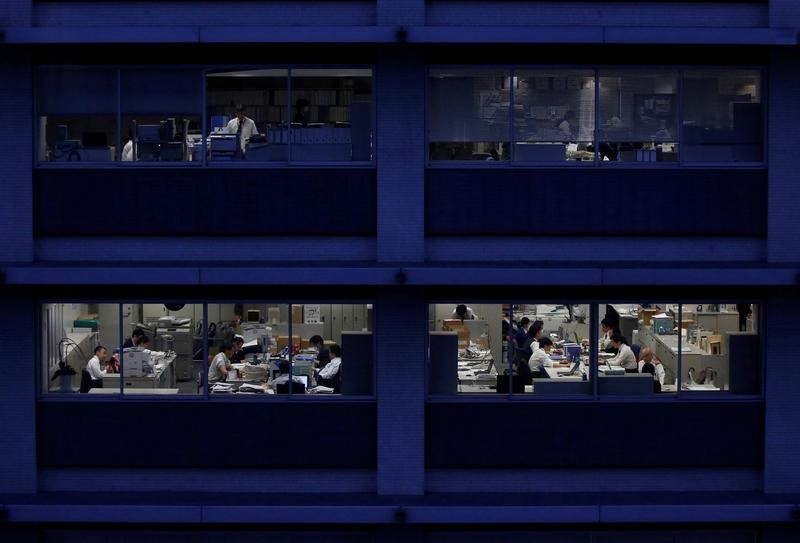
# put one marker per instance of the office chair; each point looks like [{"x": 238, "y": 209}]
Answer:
[
  {"x": 283, "y": 388},
  {"x": 87, "y": 383}
]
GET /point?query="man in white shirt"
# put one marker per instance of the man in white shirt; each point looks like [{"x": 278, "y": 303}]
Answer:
[
  {"x": 625, "y": 357},
  {"x": 94, "y": 366},
  {"x": 221, "y": 364},
  {"x": 328, "y": 376},
  {"x": 463, "y": 312},
  {"x": 243, "y": 126},
  {"x": 540, "y": 358},
  {"x": 647, "y": 357}
]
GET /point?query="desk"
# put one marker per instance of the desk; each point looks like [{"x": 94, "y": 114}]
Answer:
[
  {"x": 162, "y": 377},
  {"x": 477, "y": 374},
  {"x": 141, "y": 391}
]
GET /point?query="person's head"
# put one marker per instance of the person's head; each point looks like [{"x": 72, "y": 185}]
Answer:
[
  {"x": 283, "y": 367},
  {"x": 316, "y": 341},
  {"x": 136, "y": 334},
  {"x": 144, "y": 342},
  {"x": 536, "y": 329},
  {"x": 525, "y": 322},
  {"x": 461, "y": 311},
  {"x": 605, "y": 325},
  {"x": 238, "y": 342},
  {"x": 302, "y": 105},
  {"x": 226, "y": 348},
  {"x": 101, "y": 353},
  {"x": 336, "y": 351},
  {"x": 546, "y": 343},
  {"x": 617, "y": 340},
  {"x": 646, "y": 354},
  {"x": 240, "y": 111}
]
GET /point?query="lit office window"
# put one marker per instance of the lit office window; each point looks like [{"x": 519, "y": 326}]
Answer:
[
  {"x": 638, "y": 348},
  {"x": 550, "y": 350},
  {"x": 274, "y": 349},
  {"x": 79, "y": 344},
  {"x": 721, "y": 348},
  {"x": 469, "y": 114},
  {"x": 638, "y": 116},
  {"x": 161, "y": 115},
  {"x": 77, "y": 110},
  {"x": 553, "y": 115},
  {"x": 248, "y": 115},
  {"x": 723, "y": 117},
  {"x": 466, "y": 348},
  {"x": 331, "y": 115}
]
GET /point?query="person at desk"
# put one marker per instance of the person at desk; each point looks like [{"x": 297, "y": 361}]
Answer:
[
  {"x": 625, "y": 357},
  {"x": 221, "y": 364},
  {"x": 648, "y": 363},
  {"x": 96, "y": 363},
  {"x": 242, "y": 126},
  {"x": 329, "y": 376},
  {"x": 608, "y": 331},
  {"x": 127, "y": 149},
  {"x": 565, "y": 124},
  {"x": 463, "y": 312},
  {"x": 238, "y": 345},
  {"x": 301, "y": 113},
  {"x": 133, "y": 341},
  {"x": 522, "y": 331},
  {"x": 144, "y": 342},
  {"x": 323, "y": 354},
  {"x": 540, "y": 359}
]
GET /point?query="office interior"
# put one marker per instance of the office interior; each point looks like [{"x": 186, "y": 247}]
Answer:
[
  {"x": 694, "y": 348},
  {"x": 181, "y": 346},
  {"x": 322, "y": 115}
]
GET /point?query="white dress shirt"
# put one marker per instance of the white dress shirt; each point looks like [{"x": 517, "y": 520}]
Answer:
[
  {"x": 248, "y": 129},
  {"x": 539, "y": 359},
  {"x": 127, "y": 152},
  {"x": 331, "y": 368},
  {"x": 626, "y": 358},
  {"x": 214, "y": 369},
  {"x": 93, "y": 367}
]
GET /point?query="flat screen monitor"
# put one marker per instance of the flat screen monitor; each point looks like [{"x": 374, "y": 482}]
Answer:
[
  {"x": 253, "y": 315},
  {"x": 148, "y": 133}
]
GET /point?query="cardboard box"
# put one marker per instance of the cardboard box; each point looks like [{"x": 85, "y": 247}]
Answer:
[
  {"x": 283, "y": 341},
  {"x": 456, "y": 325},
  {"x": 297, "y": 314},
  {"x": 646, "y": 314}
]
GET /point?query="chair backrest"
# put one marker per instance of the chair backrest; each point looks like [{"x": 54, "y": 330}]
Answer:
[
  {"x": 86, "y": 381},
  {"x": 636, "y": 350},
  {"x": 297, "y": 388}
]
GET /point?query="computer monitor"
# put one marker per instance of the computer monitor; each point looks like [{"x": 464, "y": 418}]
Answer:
[
  {"x": 148, "y": 133},
  {"x": 253, "y": 315}
]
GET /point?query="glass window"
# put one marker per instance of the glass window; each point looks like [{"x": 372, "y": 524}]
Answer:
[
  {"x": 553, "y": 115},
  {"x": 466, "y": 348},
  {"x": 723, "y": 118},
  {"x": 469, "y": 114},
  {"x": 248, "y": 115},
  {"x": 78, "y": 347},
  {"x": 550, "y": 349},
  {"x": 332, "y": 115},
  {"x": 161, "y": 115},
  {"x": 638, "y": 116},
  {"x": 77, "y": 115}
]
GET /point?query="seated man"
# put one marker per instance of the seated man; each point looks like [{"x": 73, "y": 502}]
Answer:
[
  {"x": 330, "y": 376},
  {"x": 540, "y": 359},
  {"x": 323, "y": 355},
  {"x": 238, "y": 344},
  {"x": 221, "y": 364},
  {"x": 625, "y": 357},
  {"x": 94, "y": 366}
]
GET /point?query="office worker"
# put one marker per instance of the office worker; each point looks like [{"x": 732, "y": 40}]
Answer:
[
  {"x": 144, "y": 342},
  {"x": 625, "y": 357},
  {"x": 566, "y": 122},
  {"x": 301, "y": 113},
  {"x": 323, "y": 354},
  {"x": 127, "y": 150},
  {"x": 522, "y": 331},
  {"x": 463, "y": 312},
  {"x": 133, "y": 341},
  {"x": 329, "y": 375},
  {"x": 243, "y": 126},
  {"x": 221, "y": 364},
  {"x": 96, "y": 363},
  {"x": 648, "y": 363},
  {"x": 238, "y": 346},
  {"x": 540, "y": 358},
  {"x": 744, "y": 310}
]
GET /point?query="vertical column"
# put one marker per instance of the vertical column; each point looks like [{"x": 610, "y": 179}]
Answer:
[
  {"x": 17, "y": 392},
  {"x": 401, "y": 155},
  {"x": 401, "y": 12},
  {"x": 781, "y": 423},
  {"x": 16, "y": 144},
  {"x": 401, "y": 328},
  {"x": 783, "y": 243}
]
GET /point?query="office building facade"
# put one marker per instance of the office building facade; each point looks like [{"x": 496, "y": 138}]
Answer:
[{"x": 359, "y": 169}]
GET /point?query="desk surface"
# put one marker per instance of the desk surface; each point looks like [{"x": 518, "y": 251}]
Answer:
[{"x": 138, "y": 391}]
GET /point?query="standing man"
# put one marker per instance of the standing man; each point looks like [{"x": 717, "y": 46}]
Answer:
[{"x": 242, "y": 126}]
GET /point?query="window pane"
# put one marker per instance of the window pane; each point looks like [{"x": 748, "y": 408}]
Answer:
[
  {"x": 466, "y": 348},
  {"x": 553, "y": 115},
  {"x": 723, "y": 119},
  {"x": 551, "y": 349},
  {"x": 77, "y": 114},
  {"x": 161, "y": 115},
  {"x": 468, "y": 114},
  {"x": 721, "y": 349},
  {"x": 264, "y": 119},
  {"x": 160, "y": 354},
  {"x": 638, "y": 116},
  {"x": 78, "y": 342},
  {"x": 332, "y": 118},
  {"x": 638, "y": 349}
]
